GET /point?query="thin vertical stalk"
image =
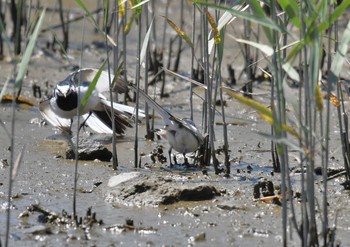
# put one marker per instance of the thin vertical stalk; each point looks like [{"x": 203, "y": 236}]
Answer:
[
  {"x": 2, "y": 24},
  {"x": 218, "y": 82},
  {"x": 163, "y": 47},
  {"x": 116, "y": 36},
  {"x": 279, "y": 115},
  {"x": 76, "y": 151},
  {"x": 114, "y": 142},
  {"x": 16, "y": 12},
  {"x": 179, "y": 48},
  {"x": 123, "y": 24},
  {"x": 115, "y": 23},
  {"x": 202, "y": 38},
  {"x": 325, "y": 142},
  {"x": 9, "y": 193},
  {"x": 137, "y": 78},
  {"x": 209, "y": 92},
  {"x": 64, "y": 25},
  {"x": 192, "y": 56},
  {"x": 147, "y": 122},
  {"x": 154, "y": 9}
]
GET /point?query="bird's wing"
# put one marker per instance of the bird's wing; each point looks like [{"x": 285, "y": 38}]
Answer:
[
  {"x": 166, "y": 116},
  {"x": 122, "y": 108},
  {"x": 47, "y": 112},
  {"x": 87, "y": 75},
  {"x": 94, "y": 122},
  {"x": 189, "y": 124},
  {"x": 101, "y": 120}
]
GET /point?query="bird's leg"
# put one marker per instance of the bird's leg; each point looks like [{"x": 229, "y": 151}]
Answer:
[
  {"x": 175, "y": 160},
  {"x": 169, "y": 152},
  {"x": 185, "y": 160},
  {"x": 83, "y": 123},
  {"x": 71, "y": 123}
]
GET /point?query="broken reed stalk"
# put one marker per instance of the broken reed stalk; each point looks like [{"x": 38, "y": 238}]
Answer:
[
  {"x": 163, "y": 47},
  {"x": 98, "y": 3},
  {"x": 16, "y": 13},
  {"x": 65, "y": 27},
  {"x": 179, "y": 48},
  {"x": 2, "y": 25},
  {"x": 248, "y": 87}
]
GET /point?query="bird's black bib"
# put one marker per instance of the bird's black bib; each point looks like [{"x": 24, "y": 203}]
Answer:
[{"x": 68, "y": 103}]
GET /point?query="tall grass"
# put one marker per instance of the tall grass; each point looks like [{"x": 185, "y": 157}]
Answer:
[
  {"x": 302, "y": 28},
  {"x": 291, "y": 38},
  {"x": 22, "y": 69},
  {"x": 305, "y": 22}
]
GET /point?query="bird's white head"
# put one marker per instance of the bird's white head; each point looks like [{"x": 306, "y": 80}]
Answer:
[{"x": 63, "y": 89}]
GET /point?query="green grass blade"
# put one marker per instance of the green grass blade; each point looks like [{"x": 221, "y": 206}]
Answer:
[
  {"x": 214, "y": 28},
  {"x": 106, "y": 12},
  {"x": 334, "y": 16},
  {"x": 22, "y": 70},
  {"x": 263, "y": 21},
  {"x": 145, "y": 43},
  {"x": 262, "y": 47},
  {"x": 258, "y": 11},
  {"x": 260, "y": 108},
  {"x": 5, "y": 38},
  {"x": 180, "y": 32},
  {"x": 339, "y": 59},
  {"x": 92, "y": 86},
  {"x": 292, "y": 9},
  {"x": 224, "y": 20},
  {"x": 263, "y": 111},
  {"x": 90, "y": 15},
  {"x": 117, "y": 74},
  {"x": 291, "y": 72},
  {"x": 3, "y": 90},
  {"x": 138, "y": 6}
]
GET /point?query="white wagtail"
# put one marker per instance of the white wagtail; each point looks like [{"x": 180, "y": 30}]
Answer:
[
  {"x": 62, "y": 106},
  {"x": 182, "y": 134}
]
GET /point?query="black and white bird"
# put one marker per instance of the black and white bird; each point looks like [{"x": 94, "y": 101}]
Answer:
[
  {"x": 181, "y": 134},
  {"x": 60, "y": 109}
]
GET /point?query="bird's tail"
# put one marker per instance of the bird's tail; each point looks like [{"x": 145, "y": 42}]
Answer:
[{"x": 161, "y": 111}]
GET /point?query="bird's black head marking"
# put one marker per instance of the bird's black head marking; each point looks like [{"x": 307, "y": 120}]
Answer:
[{"x": 66, "y": 96}]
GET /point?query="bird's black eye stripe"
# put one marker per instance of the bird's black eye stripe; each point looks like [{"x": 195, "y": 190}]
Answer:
[{"x": 58, "y": 92}]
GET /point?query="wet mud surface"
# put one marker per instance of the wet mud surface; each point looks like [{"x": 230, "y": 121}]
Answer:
[{"x": 154, "y": 204}]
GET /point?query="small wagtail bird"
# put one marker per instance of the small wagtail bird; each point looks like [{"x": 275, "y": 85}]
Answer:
[
  {"x": 60, "y": 109},
  {"x": 182, "y": 134}
]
